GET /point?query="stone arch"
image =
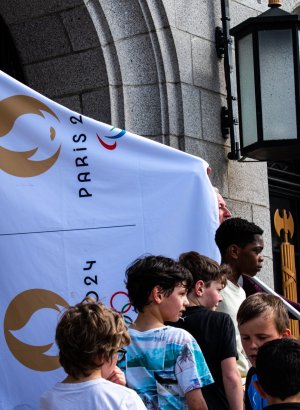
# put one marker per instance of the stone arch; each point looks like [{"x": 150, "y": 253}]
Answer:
[
  {"x": 60, "y": 53},
  {"x": 296, "y": 8},
  {"x": 112, "y": 60},
  {"x": 136, "y": 36}
]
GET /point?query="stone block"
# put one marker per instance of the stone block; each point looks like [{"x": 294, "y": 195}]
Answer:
[
  {"x": 198, "y": 17},
  {"x": 112, "y": 65},
  {"x": 142, "y": 110},
  {"x": 167, "y": 65},
  {"x": 174, "y": 142},
  {"x": 240, "y": 12},
  {"x": 191, "y": 111},
  {"x": 169, "y": 6},
  {"x": 261, "y": 216},
  {"x": 163, "y": 13},
  {"x": 96, "y": 104},
  {"x": 260, "y": 6},
  {"x": 183, "y": 47},
  {"x": 117, "y": 106},
  {"x": 158, "y": 138},
  {"x": 71, "y": 102},
  {"x": 125, "y": 18},
  {"x": 208, "y": 70},
  {"x": 40, "y": 39},
  {"x": 175, "y": 109},
  {"x": 211, "y": 104},
  {"x": 291, "y": 6},
  {"x": 101, "y": 25},
  {"x": 21, "y": 10},
  {"x": 239, "y": 209},
  {"x": 215, "y": 156},
  {"x": 137, "y": 60},
  {"x": 248, "y": 182},
  {"x": 80, "y": 28},
  {"x": 68, "y": 75}
]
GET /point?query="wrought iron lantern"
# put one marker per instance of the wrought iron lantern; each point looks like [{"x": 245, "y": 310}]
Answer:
[{"x": 267, "y": 64}]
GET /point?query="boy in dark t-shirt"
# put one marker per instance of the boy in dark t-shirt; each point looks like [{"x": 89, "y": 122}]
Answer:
[{"x": 214, "y": 331}]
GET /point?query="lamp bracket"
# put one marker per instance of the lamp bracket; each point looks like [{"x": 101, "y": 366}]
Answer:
[
  {"x": 219, "y": 42},
  {"x": 225, "y": 122}
]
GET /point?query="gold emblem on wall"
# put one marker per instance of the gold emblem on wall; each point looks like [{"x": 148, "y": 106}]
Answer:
[{"x": 288, "y": 268}]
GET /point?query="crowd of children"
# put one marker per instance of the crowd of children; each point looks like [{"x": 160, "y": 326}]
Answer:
[{"x": 193, "y": 340}]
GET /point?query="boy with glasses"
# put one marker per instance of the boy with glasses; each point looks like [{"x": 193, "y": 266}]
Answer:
[{"x": 90, "y": 337}]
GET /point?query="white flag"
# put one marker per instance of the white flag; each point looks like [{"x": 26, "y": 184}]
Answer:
[{"x": 80, "y": 200}]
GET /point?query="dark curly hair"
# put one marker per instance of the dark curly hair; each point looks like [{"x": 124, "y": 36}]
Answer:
[
  {"x": 236, "y": 231},
  {"x": 149, "y": 271},
  {"x": 87, "y": 335}
]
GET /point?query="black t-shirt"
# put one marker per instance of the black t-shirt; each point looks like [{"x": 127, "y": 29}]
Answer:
[{"x": 215, "y": 334}]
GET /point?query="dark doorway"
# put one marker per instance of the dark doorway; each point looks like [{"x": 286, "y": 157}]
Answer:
[
  {"x": 9, "y": 58},
  {"x": 284, "y": 191}
]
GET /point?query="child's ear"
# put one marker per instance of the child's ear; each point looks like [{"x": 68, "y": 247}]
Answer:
[
  {"x": 157, "y": 294},
  {"x": 260, "y": 389},
  {"x": 199, "y": 286},
  {"x": 286, "y": 333},
  {"x": 233, "y": 251}
]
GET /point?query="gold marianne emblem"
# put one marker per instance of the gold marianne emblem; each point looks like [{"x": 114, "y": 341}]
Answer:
[
  {"x": 18, "y": 313},
  {"x": 19, "y": 163}
]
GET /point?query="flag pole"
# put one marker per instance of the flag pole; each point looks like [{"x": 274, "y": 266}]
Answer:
[{"x": 269, "y": 290}]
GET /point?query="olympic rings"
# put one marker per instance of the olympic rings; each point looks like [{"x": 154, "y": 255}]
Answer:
[{"x": 125, "y": 307}]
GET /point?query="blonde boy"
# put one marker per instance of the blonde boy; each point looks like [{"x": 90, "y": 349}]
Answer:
[{"x": 261, "y": 318}]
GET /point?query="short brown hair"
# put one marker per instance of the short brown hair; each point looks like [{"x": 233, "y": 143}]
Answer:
[
  {"x": 88, "y": 334},
  {"x": 204, "y": 268},
  {"x": 260, "y": 303},
  {"x": 149, "y": 271}
]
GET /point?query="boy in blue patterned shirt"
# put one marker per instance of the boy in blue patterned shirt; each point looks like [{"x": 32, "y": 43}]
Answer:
[{"x": 164, "y": 365}]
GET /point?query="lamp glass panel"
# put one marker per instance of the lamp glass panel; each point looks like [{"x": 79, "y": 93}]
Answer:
[
  {"x": 247, "y": 90},
  {"x": 277, "y": 85}
]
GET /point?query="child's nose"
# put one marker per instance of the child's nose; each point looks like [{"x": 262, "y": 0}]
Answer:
[
  {"x": 186, "y": 301},
  {"x": 253, "y": 345}
]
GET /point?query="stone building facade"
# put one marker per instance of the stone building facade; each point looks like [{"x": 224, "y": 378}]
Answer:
[{"x": 149, "y": 66}]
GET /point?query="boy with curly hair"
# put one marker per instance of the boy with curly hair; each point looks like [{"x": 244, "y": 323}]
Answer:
[{"x": 89, "y": 337}]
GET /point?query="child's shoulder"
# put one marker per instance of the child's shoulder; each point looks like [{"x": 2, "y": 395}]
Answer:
[
  {"x": 117, "y": 388},
  {"x": 168, "y": 333},
  {"x": 178, "y": 335}
]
